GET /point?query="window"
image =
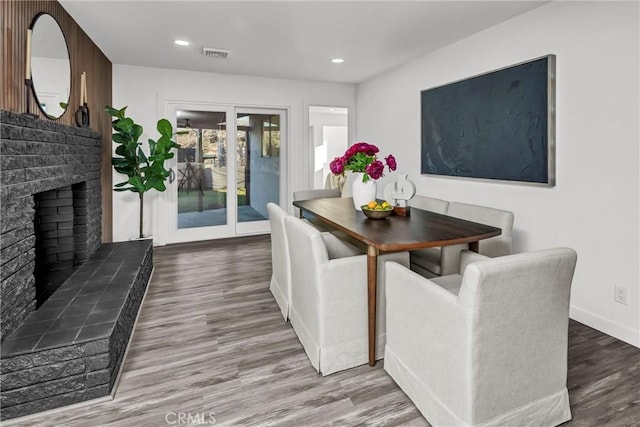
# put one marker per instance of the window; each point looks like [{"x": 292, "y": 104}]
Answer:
[{"x": 271, "y": 136}]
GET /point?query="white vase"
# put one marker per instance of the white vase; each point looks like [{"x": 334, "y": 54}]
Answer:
[{"x": 363, "y": 192}]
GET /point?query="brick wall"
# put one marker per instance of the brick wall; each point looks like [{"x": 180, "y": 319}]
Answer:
[
  {"x": 54, "y": 227},
  {"x": 60, "y": 229},
  {"x": 38, "y": 156}
]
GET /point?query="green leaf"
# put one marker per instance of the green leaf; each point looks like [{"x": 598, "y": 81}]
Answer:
[
  {"x": 152, "y": 146},
  {"x": 132, "y": 148},
  {"x": 136, "y": 131},
  {"x": 123, "y": 125},
  {"x": 165, "y": 128},
  {"x": 121, "y": 150},
  {"x": 118, "y": 138},
  {"x": 137, "y": 183},
  {"x": 157, "y": 183},
  {"x": 164, "y": 144},
  {"x": 142, "y": 156},
  {"x": 112, "y": 111}
]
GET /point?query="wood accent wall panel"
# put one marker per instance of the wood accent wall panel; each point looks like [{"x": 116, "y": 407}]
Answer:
[{"x": 17, "y": 16}]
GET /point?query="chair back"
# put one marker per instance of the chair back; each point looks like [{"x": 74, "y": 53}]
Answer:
[
  {"x": 334, "y": 181},
  {"x": 315, "y": 194},
  {"x": 519, "y": 313},
  {"x": 307, "y": 252},
  {"x": 279, "y": 249},
  {"x": 495, "y": 246},
  {"x": 429, "y": 204}
]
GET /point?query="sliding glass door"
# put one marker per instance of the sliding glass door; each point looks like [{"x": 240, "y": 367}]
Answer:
[
  {"x": 228, "y": 167},
  {"x": 201, "y": 169}
]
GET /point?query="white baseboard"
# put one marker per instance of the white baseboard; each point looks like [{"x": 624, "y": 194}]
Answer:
[{"x": 616, "y": 330}]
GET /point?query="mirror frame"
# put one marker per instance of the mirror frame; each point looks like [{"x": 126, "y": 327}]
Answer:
[{"x": 34, "y": 83}]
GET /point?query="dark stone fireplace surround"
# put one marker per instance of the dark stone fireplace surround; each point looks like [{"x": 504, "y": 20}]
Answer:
[
  {"x": 37, "y": 156},
  {"x": 70, "y": 349}
]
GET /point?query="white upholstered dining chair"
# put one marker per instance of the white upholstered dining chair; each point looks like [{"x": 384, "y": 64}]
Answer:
[
  {"x": 429, "y": 204},
  {"x": 329, "y": 300},
  {"x": 485, "y": 348},
  {"x": 280, "y": 285},
  {"x": 441, "y": 261},
  {"x": 316, "y": 194}
]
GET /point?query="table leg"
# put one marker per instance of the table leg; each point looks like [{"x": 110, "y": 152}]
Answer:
[
  {"x": 372, "y": 285},
  {"x": 474, "y": 247}
]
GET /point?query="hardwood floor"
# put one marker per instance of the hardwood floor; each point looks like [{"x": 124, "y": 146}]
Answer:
[{"x": 210, "y": 344}]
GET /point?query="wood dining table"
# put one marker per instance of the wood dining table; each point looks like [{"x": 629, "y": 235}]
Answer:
[{"x": 420, "y": 229}]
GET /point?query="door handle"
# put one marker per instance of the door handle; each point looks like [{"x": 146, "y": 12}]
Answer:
[{"x": 172, "y": 175}]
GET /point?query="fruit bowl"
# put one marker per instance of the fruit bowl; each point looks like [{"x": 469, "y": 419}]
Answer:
[
  {"x": 377, "y": 210},
  {"x": 373, "y": 214}
]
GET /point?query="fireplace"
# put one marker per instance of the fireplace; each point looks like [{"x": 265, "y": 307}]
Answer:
[
  {"x": 60, "y": 216},
  {"x": 50, "y": 209},
  {"x": 68, "y": 303}
]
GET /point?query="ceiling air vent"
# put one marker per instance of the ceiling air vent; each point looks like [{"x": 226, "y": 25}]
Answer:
[{"x": 210, "y": 52}]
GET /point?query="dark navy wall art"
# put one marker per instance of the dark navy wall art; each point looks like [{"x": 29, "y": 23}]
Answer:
[{"x": 497, "y": 126}]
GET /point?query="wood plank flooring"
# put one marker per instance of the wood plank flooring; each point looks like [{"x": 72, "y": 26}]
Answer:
[{"x": 210, "y": 343}]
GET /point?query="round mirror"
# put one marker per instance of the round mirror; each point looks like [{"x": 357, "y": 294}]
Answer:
[{"x": 50, "y": 66}]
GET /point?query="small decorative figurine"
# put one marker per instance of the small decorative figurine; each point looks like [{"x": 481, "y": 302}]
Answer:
[{"x": 399, "y": 193}]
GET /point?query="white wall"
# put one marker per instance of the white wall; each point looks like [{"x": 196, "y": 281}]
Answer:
[
  {"x": 336, "y": 139},
  {"x": 146, "y": 90},
  {"x": 594, "y": 207},
  {"x": 324, "y": 126}
]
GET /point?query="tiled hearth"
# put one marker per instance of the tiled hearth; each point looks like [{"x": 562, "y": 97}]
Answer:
[{"x": 71, "y": 348}]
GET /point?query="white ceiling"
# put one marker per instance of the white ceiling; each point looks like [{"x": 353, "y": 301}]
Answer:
[{"x": 286, "y": 39}]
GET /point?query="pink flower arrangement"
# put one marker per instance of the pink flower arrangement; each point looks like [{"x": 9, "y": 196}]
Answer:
[{"x": 362, "y": 157}]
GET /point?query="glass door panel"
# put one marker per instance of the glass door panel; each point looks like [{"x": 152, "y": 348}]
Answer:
[
  {"x": 202, "y": 169},
  {"x": 257, "y": 164}
]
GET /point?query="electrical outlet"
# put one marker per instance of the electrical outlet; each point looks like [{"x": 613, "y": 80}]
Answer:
[{"x": 620, "y": 294}]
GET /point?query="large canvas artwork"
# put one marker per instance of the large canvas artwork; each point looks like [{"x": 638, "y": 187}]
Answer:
[{"x": 497, "y": 126}]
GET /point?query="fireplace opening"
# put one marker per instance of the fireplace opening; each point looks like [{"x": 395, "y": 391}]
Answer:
[{"x": 60, "y": 225}]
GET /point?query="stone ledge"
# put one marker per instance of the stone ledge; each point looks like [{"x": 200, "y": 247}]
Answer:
[{"x": 81, "y": 358}]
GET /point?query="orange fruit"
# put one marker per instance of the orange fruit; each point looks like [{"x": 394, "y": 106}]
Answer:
[{"x": 371, "y": 205}]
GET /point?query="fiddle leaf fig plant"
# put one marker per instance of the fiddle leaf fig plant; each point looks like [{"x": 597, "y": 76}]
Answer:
[{"x": 144, "y": 171}]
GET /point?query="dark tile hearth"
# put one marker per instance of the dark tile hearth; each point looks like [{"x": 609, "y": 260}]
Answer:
[
  {"x": 71, "y": 314},
  {"x": 71, "y": 349}
]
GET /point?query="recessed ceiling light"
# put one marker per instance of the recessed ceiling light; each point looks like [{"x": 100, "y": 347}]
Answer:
[
  {"x": 181, "y": 42},
  {"x": 337, "y": 60}
]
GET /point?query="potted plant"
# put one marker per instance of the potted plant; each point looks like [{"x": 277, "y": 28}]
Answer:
[
  {"x": 144, "y": 172},
  {"x": 362, "y": 160}
]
